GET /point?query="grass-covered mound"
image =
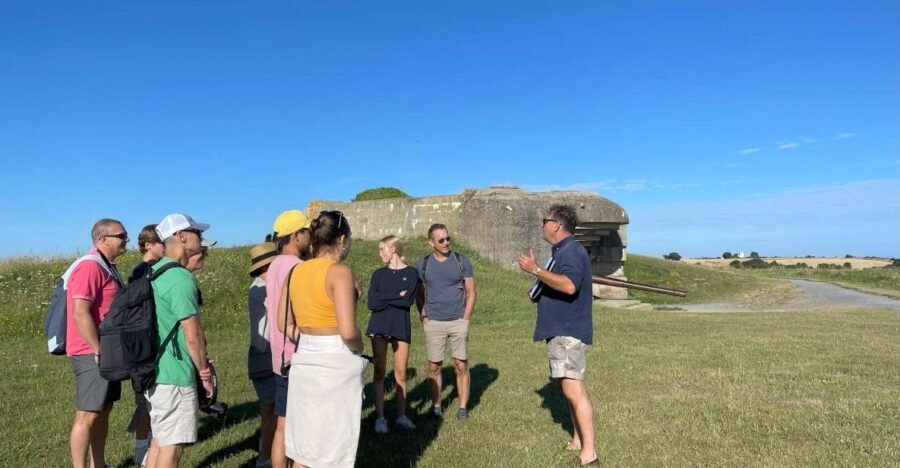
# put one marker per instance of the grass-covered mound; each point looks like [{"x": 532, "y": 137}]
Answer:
[
  {"x": 702, "y": 284},
  {"x": 379, "y": 193},
  {"x": 735, "y": 389}
]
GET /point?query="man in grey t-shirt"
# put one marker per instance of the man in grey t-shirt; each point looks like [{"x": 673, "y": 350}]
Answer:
[{"x": 445, "y": 307}]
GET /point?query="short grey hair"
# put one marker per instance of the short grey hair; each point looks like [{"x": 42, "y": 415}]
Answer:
[{"x": 102, "y": 228}]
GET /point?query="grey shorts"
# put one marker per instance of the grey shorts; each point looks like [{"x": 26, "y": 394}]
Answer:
[
  {"x": 566, "y": 356},
  {"x": 92, "y": 392},
  {"x": 438, "y": 332}
]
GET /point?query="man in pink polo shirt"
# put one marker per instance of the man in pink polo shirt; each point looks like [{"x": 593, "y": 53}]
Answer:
[
  {"x": 90, "y": 291},
  {"x": 292, "y": 241}
]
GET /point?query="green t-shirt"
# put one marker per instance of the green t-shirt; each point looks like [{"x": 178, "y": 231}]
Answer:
[{"x": 175, "y": 293}]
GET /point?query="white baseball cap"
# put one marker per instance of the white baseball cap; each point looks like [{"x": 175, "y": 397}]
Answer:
[{"x": 179, "y": 222}]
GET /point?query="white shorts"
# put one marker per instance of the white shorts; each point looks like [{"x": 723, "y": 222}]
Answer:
[{"x": 174, "y": 412}]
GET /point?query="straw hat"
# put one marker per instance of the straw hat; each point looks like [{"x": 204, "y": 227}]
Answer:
[{"x": 262, "y": 255}]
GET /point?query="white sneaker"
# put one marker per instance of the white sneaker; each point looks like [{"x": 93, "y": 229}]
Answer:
[
  {"x": 381, "y": 426},
  {"x": 405, "y": 423}
]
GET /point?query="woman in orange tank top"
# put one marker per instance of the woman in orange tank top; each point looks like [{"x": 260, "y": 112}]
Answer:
[{"x": 317, "y": 312}]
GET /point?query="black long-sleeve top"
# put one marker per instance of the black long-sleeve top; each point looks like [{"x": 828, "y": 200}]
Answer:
[{"x": 386, "y": 285}]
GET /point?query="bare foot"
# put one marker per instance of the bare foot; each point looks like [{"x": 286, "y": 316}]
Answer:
[{"x": 574, "y": 445}]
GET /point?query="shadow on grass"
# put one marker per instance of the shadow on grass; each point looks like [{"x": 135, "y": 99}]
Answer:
[
  {"x": 234, "y": 415},
  {"x": 208, "y": 427},
  {"x": 556, "y": 403},
  {"x": 404, "y": 448}
]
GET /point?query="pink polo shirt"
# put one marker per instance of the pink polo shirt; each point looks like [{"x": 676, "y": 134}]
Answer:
[
  {"x": 91, "y": 282},
  {"x": 278, "y": 271}
]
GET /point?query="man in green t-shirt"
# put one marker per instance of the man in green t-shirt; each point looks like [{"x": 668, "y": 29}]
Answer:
[{"x": 174, "y": 406}]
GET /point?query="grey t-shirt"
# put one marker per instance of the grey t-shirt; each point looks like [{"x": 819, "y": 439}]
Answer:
[{"x": 445, "y": 293}]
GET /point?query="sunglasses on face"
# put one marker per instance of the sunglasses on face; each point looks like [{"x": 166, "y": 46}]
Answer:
[
  {"x": 199, "y": 233},
  {"x": 121, "y": 235},
  {"x": 443, "y": 240},
  {"x": 547, "y": 220}
]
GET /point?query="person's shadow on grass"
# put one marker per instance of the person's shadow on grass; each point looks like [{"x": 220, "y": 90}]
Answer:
[
  {"x": 404, "y": 448},
  {"x": 234, "y": 415},
  {"x": 208, "y": 427},
  {"x": 555, "y": 402}
]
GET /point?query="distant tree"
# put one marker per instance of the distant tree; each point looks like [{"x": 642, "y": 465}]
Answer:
[
  {"x": 754, "y": 254},
  {"x": 735, "y": 264},
  {"x": 810, "y": 256},
  {"x": 672, "y": 256},
  {"x": 755, "y": 262},
  {"x": 727, "y": 255},
  {"x": 380, "y": 193},
  {"x": 849, "y": 256}
]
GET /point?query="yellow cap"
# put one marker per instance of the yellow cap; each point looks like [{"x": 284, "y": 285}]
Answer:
[{"x": 290, "y": 222}]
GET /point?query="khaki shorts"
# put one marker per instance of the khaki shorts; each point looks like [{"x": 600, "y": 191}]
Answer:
[
  {"x": 437, "y": 332},
  {"x": 567, "y": 359},
  {"x": 173, "y": 414}
]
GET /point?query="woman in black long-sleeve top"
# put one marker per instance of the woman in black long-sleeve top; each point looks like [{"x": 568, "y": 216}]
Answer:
[{"x": 392, "y": 291}]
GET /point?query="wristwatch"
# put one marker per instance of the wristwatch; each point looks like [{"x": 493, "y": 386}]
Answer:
[{"x": 537, "y": 271}]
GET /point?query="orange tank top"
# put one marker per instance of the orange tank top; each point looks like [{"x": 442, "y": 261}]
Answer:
[{"x": 311, "y": 304}]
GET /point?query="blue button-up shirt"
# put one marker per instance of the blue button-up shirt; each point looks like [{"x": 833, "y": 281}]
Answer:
[{"x": 561, "y": 314}]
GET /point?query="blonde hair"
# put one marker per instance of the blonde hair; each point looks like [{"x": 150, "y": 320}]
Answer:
[{"x": 394, "y": 242}]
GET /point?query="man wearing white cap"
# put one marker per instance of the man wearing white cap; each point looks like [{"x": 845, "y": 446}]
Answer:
[{"x": 174, "y": 406}]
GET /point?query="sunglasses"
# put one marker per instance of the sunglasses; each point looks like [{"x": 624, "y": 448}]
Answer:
[
  {"x": 547, "y": 220},
  {"x": 442, "y": 240},
  {"x": 121, "y": 235}
]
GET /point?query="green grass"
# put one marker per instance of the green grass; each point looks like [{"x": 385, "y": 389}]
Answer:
[
  {"x": 737, "y": 389},
  {"x": 703, "y": 284},
  {"x": 879, "y": 280}
]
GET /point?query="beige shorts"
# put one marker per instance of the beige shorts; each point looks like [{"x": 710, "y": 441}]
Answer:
[
  {"x": 437, "y": 332},
  {"x": 567, "y": 359},
  {"x": 174, "y": 412}
]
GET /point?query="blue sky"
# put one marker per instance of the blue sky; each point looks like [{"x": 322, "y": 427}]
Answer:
[{"x": 767, "y": 126}]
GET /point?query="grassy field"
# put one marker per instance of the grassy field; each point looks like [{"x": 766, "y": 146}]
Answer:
[
  {"x": 885, "y": 281},
  {"x": 674, "y": 389},
  {"x": 813, "y": 262},
  {"x": 703, "y": 284}
]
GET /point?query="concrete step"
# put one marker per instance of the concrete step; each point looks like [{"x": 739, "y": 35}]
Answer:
[{"x": 618, "y": 303}]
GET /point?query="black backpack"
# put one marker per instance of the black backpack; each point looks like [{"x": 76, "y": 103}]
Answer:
[{"x": 129, "y": 336}]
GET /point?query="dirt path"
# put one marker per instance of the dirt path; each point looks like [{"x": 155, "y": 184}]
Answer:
[{"x": 808, "y": 295}]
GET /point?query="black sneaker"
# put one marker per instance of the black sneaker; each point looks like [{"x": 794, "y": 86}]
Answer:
[
  {"x": 462, "y": 414},
  {"x": 437, "y": 412}
]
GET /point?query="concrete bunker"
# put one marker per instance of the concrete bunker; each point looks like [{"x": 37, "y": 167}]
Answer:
[{"x": 499, "y": 223}]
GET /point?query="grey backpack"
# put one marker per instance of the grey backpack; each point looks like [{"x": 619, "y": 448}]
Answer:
[{"x": 55, "y": 320}]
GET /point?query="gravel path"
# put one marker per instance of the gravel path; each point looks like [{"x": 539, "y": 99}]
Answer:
[{"x": 812, "y": 295}]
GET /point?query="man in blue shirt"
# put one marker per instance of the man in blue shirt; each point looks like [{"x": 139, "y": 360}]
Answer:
[{"x": 563, "y": 292}]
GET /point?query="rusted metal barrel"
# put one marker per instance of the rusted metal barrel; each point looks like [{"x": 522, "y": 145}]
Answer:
[{"x": 643, "y": 287}]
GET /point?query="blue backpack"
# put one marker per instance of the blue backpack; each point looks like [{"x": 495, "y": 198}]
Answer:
[{"x": 55, "y": 320}]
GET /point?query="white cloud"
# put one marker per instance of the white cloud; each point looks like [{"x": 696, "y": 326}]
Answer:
[
  {"x": 810, "y": 140},
  {"x": 750, "y": 150},
  {"x": 845, "y": 135},
  {"x": 783, "y": 146}
]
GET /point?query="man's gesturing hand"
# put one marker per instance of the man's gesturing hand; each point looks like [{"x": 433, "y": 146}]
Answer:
[{"x": 527, "y": 262}]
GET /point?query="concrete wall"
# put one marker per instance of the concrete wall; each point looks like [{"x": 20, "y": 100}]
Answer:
[{"x": 499, "y": 223}]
